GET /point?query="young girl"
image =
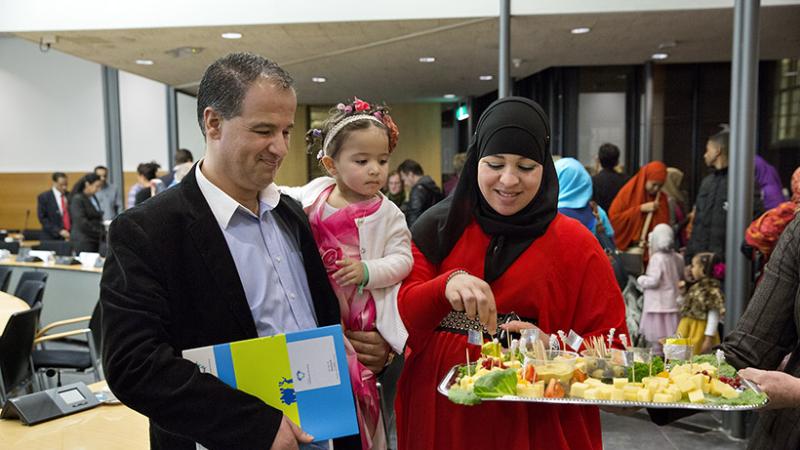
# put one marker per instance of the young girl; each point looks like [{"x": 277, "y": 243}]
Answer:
[
  {"x": 660, "y": 313},
  {"x": 362, "y": 237},
  {"x": 704, "y": 304}
]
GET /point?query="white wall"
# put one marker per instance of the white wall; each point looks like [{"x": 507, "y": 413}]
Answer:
[
  {"x": 51, "y": 110},
  {"x": 601, "y": 119},
  {"x": 189, "y": 135},
  {"x": 143, "y": 121}
]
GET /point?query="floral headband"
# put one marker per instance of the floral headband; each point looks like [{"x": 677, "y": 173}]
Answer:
[{"x": 358, "y": 106}]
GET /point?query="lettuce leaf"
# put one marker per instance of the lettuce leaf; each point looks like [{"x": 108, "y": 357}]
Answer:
[
  {"x": 461, "y": 396},
  {"x": 496, "y": 384}
]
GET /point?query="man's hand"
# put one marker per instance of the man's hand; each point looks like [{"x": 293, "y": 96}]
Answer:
[
  {"x": 64, "y": 234},
  {"x": 289, "y": 435},
  {"x": 649, "y": 207},
  {"x": 372, "y": 349},
  {"x": 782, "y": 389},
  {"x": 351, "y": 272},
  {"x": 474, "y": 296}
]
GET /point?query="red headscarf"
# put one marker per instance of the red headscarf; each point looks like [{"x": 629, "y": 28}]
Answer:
[
  {"x": 625, "y": 213},
  {"x": 764, "y": 232}
]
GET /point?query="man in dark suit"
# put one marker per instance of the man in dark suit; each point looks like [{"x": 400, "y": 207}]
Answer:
[
  {"x": 221, "y": 257},
  {"x": 52, "y": 208}
]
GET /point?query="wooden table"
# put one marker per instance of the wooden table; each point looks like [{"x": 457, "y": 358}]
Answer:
[
  {"x": 8, "y": 306},
  {"x": 106, "y": 427}
]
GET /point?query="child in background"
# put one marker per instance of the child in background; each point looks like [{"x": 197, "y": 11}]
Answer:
[
  {"x": 704, "y": 303},
  {"x": 362, "y": 237},
  {"x": 660, "y": 313}
]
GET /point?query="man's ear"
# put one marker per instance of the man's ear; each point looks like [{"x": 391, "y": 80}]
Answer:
[
  {"x": 212, "y": 122},
  {"x": 329, "y": 165}
]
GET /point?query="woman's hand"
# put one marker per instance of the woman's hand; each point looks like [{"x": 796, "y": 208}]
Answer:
[
  {"x": 351, "y": 272},
  {"x": 515, "y": 326},
  {"x": 473, "y": 296},
  {"x": 782, "y": 389},
  {"x": 649, "y": 207}
]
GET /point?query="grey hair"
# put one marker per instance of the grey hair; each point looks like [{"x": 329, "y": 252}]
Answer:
[{"x": 226, "y": 80}]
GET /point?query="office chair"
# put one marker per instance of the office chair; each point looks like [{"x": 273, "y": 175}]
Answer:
[
  {"x": 5, "y": 278},
  {"x": 52, "y": 362},
  {"x": 16, "y": 345},
  {"x": 29, "y": 275},
  {"x": 61, "y": 248}
]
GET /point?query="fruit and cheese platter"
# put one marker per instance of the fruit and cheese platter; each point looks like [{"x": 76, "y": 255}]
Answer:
[{"x": 598, "y": 375}]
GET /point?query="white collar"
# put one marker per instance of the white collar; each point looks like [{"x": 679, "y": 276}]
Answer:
[
  {"x": 223, "y": 206},
  {"x": 57, "y": 194}
]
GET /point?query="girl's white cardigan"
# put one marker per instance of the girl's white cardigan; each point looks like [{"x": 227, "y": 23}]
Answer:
[{"x": 385, "y": 249}]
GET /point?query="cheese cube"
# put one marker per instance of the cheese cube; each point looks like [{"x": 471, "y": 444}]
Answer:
[
  {"x": 620, "y": 382},
  {"x": 578, "y": 390},
  {"x": 531, "y": 390},
  {"x": 594, "y": 382},
  {"x": 592, "y": 394},
  {"x": 663, "y": 398},
  {"x": 697, "y": 396},
  {"x": 698, "y": 380},
  {"x": 686, "y": 385},
  {"x": 644, "y": 395},
  {"x": 631, "y": 396},
  {"x": 618, "y": 395}
]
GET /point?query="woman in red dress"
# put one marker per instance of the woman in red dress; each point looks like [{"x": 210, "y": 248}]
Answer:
[{"x": 499, "y": 245}]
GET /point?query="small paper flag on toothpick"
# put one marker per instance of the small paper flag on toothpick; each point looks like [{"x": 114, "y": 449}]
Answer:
[
  {"x": 474, "y": 337},
  {"x": 720, "y": 359},
  {"x": 611, "y": 337},
  {"x": 574, "y": 340}
]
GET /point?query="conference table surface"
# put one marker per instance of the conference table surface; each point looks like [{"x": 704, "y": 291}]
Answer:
[
  {"x": 106, "y": 427},
  {"x": 11, "y": 262},
  {"x": 8, "y": 306}
]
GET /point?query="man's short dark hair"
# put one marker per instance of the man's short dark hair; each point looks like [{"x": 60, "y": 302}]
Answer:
[
  {"x": 722, "y": 140},
  {"x": 183, "y": 156},
  {"x": 148, "y": 169},
  {"x": 100, "y": 168},
  {"x": 608, "y": 156},
  {"x": 226, "y": 81},
  {"x": 410, "y": 166},
  {"x": 57, "y": 175}
]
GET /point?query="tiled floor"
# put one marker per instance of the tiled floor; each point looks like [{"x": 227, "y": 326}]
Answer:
[{"x": 701, "y": 431}]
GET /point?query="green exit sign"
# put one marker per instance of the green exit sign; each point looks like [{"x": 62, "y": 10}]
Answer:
[{"x": 462, "y": 113}]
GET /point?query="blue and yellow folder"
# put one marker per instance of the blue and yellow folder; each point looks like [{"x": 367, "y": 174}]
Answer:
[{"x": 304, "y": 374}]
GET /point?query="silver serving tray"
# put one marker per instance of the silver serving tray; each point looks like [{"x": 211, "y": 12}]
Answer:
[{"x": 447, "y": 381}]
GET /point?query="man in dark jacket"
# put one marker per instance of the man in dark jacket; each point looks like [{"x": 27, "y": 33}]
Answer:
[
  {"x": 222, "y": 257},
  {"x": 711, "y": 206},
  {"x": 52, "y": 208},
  {"x": 607, "y": 183},
  {"x": 424, "y": 192}
]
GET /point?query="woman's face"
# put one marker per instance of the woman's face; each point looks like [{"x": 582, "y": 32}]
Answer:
[
  {"x": 395, "y": 184},
  {"x": 92, "y": 188},
  {"x": 652, "y": 187},
  {"x": 509, "y": 182}
]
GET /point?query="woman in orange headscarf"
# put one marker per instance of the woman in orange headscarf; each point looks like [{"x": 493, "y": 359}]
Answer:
[
  {"x": 637, "y": 198},
  {"x": 764, "y": 232}
]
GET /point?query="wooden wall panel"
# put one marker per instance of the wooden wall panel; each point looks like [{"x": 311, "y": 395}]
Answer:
[{"x": 18, "y": 192}]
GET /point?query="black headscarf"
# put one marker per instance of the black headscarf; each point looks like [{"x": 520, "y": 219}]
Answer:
[{"x": 513, "y": 125}]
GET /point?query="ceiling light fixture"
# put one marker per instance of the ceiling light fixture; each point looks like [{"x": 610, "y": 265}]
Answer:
[
  {"x": 660, "y": 56},
  {"x": 580, "y": 30},
  {"x": 427, "y": 59},
  {"x": 319, "y": 79},
  {"x": 231, "y": 35},
  {"x": 486, "y": 77},
  {"x": 449, "y": 96},
  {"x": 144, "y": 62}
]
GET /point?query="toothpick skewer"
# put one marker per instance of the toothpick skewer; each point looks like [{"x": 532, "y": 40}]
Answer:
[{"x": 468, "y": 368}]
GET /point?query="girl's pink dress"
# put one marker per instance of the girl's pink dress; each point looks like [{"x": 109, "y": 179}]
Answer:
[{"x": 337, "y": 239}]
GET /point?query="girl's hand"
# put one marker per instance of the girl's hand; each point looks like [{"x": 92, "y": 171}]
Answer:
[
  {"x": 351, "y": 272},
  {"x": 782, "y": 389},
  {"x": 474, "y": 296},
  {"x": 649, "y": 207},
  {"x": 707, "y": 344},
  {"x": 515, "y": 326}
]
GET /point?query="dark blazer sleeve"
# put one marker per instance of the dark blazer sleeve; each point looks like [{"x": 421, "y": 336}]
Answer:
[
  {"x": 50, "y": 220},
  {"x": 147, "y": 373}
]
